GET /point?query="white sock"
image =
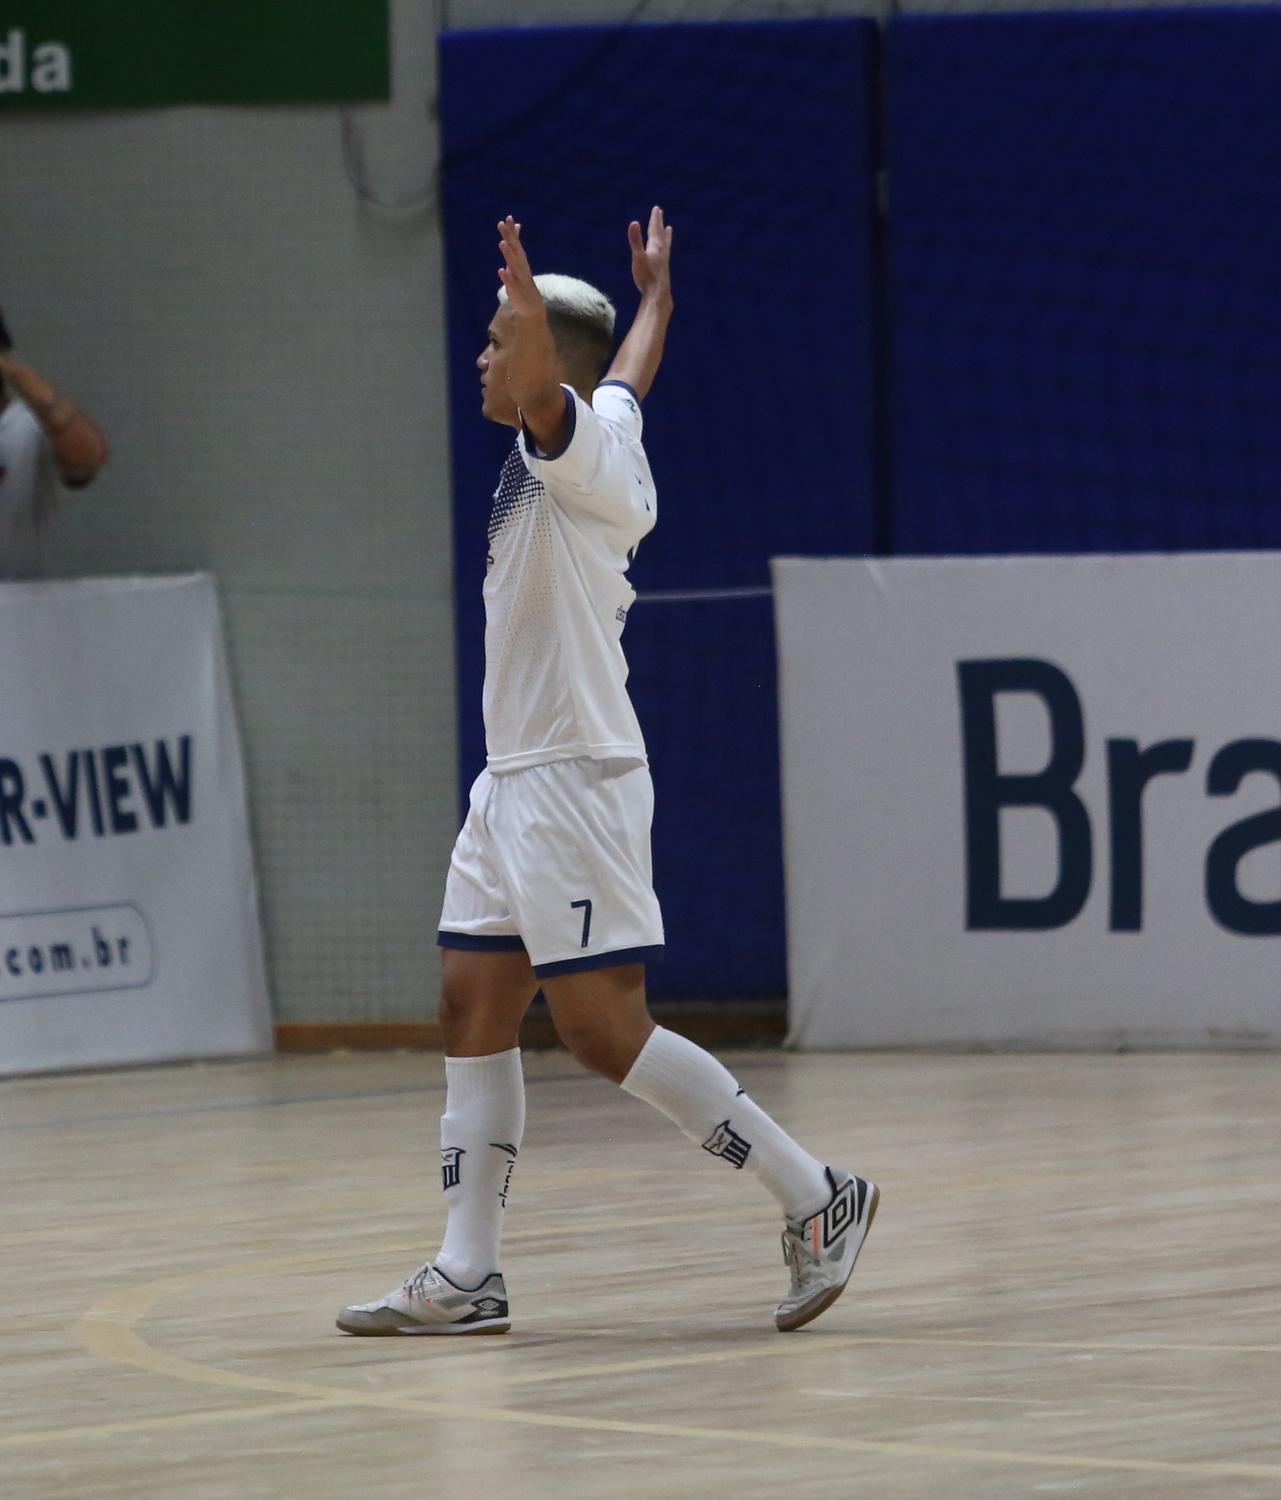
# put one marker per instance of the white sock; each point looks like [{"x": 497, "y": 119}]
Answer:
[
  {"x": 691, "y": 1088},
  {"x": 480, "y": 1135}
]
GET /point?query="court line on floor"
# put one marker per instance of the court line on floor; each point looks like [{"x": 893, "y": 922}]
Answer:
[
  {"x": 574, "y": 1225},
  {"x": 950, "y": 1189},
  {"x": 238, "y": 1106},
  {"x": 112, "y": 1307},
  {"x": 533, "y": 1232},
  {"x": 109, "y": 1330},
  {"x": 95, "y": 1229},
  {"x": 235, "y": 1106},
  {"x": 806, "y": 1345},
  {"x": 120, "y": 1342},
  {"x": 336, "y": 1397},
  {"x": 160, "y": 1424}
]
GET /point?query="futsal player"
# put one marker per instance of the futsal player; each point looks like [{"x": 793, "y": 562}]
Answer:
[{"x": 549, "y": 885}]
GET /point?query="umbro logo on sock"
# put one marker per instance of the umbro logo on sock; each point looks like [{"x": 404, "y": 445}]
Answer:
[
  {"x": 724, "y": 1142},
  {"x": 451, "y": 1167}
]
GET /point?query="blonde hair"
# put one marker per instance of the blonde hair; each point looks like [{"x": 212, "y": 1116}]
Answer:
[{"x": 581, "y": 319}]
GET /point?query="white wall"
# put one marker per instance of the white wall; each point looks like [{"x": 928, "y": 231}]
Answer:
[{"x": 265, "y": 355}]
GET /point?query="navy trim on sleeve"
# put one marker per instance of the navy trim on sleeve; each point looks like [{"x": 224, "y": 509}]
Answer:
[
  {"x": 631, "y": 390},
  {"x": 613, "y": 960},
  {"x": 571, "y": 421},
  {"x": 480, "y": 942}
]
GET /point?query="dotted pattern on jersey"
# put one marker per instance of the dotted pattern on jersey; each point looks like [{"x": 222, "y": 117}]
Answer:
[
  {"x": 517, "y": 491},
  {"x": 527, "y": 699}
]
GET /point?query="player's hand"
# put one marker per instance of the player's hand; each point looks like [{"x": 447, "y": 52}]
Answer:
[
  {"x": 651, "y": 257},
  {"x": 516, "y": 276}
]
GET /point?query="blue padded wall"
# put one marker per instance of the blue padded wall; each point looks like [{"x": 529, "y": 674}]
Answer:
[
  {"x": 1086, "y": 273},
  {"x": 753, "y": 139}
]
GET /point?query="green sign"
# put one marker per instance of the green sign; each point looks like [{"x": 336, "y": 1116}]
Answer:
[{"x": 125, "y": 54}]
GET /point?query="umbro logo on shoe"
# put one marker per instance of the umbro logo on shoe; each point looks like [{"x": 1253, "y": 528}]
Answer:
[
  {"x": 845, "y": 1209},
  {"x": 822, "y": 1249},
  {"x": 726, "y": 1143}
]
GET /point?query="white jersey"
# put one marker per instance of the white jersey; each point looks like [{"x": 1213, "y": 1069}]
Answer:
[
  {"x": 561, "y": 537},
  {"x": 28, "y": 489}
]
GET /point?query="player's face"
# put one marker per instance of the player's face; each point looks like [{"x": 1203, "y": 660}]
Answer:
[{"x": 496, "y": 403}]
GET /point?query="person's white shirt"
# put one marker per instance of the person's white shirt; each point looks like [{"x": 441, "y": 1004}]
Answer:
[
  {"x": 562, "y": 534},
  {"x": 28, "y": 489}
]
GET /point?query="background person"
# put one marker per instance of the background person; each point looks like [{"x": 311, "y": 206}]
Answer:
[{"x": 44, "y": 438}]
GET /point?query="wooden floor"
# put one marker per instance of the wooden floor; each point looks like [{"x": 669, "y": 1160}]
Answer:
[{"x": 1073, "y": 1286}]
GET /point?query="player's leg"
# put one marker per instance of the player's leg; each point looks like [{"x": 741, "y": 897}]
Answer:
[
  {"x": 577, "y": 866},
  {"x": 484, "y": 997},
  {"x": 602, "y": 1017},
  {"x": 487, "y": 987}
]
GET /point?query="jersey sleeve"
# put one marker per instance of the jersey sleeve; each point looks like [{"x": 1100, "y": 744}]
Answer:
[
  {"x": 599, "y": 471},
  {"x": 616, "y": 401}
]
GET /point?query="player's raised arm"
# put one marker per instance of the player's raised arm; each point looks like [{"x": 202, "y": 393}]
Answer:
[
  {"x": 533, "y": 368},
  {"x": 637, "y": 360}
]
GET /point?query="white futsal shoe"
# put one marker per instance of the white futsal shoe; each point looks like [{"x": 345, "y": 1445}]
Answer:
[
  {"x": 821, "y": 1251},
  {"x": 430, "y": 1303}
]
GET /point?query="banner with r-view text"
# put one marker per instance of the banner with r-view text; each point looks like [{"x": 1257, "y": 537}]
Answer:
[
  {"x": 1032, "y": 800},
  {"x": 128, "y": 912}
]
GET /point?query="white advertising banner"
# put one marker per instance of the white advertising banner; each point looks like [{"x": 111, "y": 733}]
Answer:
[
  {"x": 1032, "y": 800},
  {"x": 128, "y": 913}
]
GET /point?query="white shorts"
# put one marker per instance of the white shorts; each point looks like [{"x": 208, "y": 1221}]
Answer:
[{"x": 554, "y": 859}]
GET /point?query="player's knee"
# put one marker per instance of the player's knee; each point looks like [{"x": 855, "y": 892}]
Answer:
[
  {"x": 463, "y": 1008},
  {"x": 596, "y": 1049},
  {"x": 452, "y": 1005},
  {"x": 457, "y": 990},
  {"x": 607, "y": 1050}
]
